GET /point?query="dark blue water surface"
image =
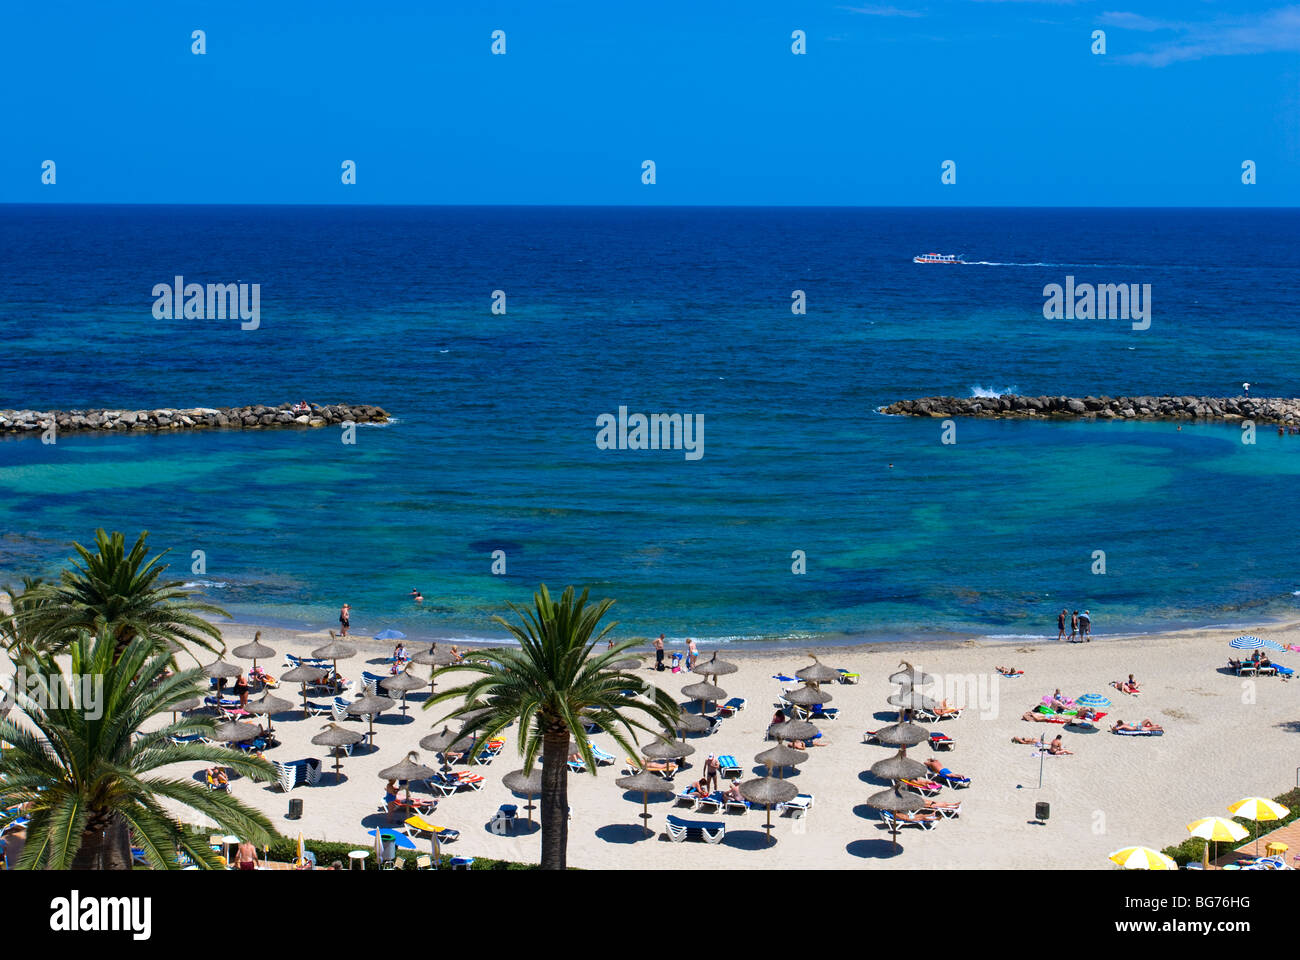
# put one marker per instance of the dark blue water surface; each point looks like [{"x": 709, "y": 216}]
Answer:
[{"x": 663, "y": 310}]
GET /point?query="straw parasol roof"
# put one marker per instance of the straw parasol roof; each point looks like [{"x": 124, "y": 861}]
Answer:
[
  {"x": 193, "y": 703},
  {"x": 818, "y": 672},
  {"x": 807, "y": 696},
  {"x": 469, "y": 716},
  {"x": 912, "y": 700},
  {"x": 896, "y": 802},
  {"x": 268, "y": 704},
  {"x": 703, "y": 691},
  {"x": 234, "y": 732},
  {"x": 627, "y": 663},
  {"x": 781, "y": 756},
  {"x": 898, "y": 767},
  {"x": 793, "y": 730},
  {"x": 369, "y": 705},
  {"x": 768, "y": 791},
  {"x": 438, "y": 742},
  {"x": 529, "y": 784},
  {"x": 254, "y": 650},
  {"x": 409, "y": 768},
  {"x": 336, "y": 649},
  {"x": 667, "y": 750},
  {"x": 219, "y": 668},
  {"x": 902, "y": 735},
  {"x": 691, "y": 723},
  {"x": 433, "y": 657},
  {"x": 334, "y": 736},
  {"x": 713, "y": 667},
  {"x": 644, "y": 783},
  {"x": 303, "y": 674},
  {"x": 909, "y": 676},
  {"x": 402, "y": 683}
]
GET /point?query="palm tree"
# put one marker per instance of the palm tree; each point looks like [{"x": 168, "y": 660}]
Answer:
[
  {"x": 19, "y": 629},
  {"x": 82, "y": 763},
  {"x": 553, "y": 685},
  {"x": 126, "y": 592}
]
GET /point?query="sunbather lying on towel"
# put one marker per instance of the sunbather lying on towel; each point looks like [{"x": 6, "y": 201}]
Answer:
[
  {"x": 1126, "y": 686},
  {"x": 1030, "y": 741},
  {"x": 1122, "y": 727},
  {"x": 1037, "y": 717},
  {"x": 944, "y": 709},
  {"x": 935, "y": 767},
  {"x": 1009, "y": 671}
]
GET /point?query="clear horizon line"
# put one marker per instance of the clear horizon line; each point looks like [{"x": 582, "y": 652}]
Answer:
[{"x": 654, "y": 206}]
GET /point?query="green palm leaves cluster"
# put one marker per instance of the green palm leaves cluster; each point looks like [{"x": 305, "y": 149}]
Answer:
[
  {"x": 81, "y": 767},
  {"x": 553, "y": 685}
]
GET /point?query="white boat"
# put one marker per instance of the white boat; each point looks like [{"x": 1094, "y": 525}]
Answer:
[{"x": 937, "y": 258}]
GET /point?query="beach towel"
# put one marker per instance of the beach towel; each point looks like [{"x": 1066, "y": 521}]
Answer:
[{"x": 1139, "y": 733}]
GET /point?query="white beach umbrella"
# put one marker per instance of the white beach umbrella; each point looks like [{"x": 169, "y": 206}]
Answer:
[
  {"x": 1142, "y": 858},
  {"x": 1216, "y": 829},
  {"x": 1258, "y": 809}
]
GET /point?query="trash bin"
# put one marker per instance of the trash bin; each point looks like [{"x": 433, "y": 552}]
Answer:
[
  {"x": 1042, "y": 810},
  {"x": 295, "y": 809},
  {"x": 387, "y": 847}
]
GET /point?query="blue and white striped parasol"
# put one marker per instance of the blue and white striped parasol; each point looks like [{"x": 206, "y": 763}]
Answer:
[
  {"x": 1249, "y": 642},
  {"x": 1093, "y": 700}
]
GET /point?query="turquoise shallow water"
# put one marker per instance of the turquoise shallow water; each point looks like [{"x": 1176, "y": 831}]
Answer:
[{"x": 662, "y": 311}]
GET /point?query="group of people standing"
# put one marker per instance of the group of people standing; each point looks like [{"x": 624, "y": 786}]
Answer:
[
  {"x": 1080, "y": 626},
  {"x": 692, "y": 653}
]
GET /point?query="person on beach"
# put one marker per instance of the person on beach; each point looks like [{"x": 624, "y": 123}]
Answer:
[
  {"x": 733, "y": 792},
  {"x": 1057, "y": 747},
  {"x": 246, "y": 857},
  {"x": 692, "y": 653},
  {"x": 711, "y": 770},
  {"x": 1060, "y": 625},
  {"x": 1074, "y": 625},
  {"x": 1085, "y": 627},
  {"x": 345, "y": 618},
  {"x": 399, "y": 653},
  {"x": 1145, "y": 725},
  {"x": 417, "y": 596},
  {"x": 1126, "y": 686},
  {"x": 241, "y": 691},
  {"x": 456, "y": 656},
  {"x": 659, "y": 653},
  {"x": 1029, "y": 741},
  {"x": 1009, "y": 671}
]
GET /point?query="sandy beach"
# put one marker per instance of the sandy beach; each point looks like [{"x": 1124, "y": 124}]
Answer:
[{"x": 1226, "y": 738}]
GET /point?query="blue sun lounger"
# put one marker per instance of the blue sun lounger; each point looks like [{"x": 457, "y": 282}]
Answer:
[
  {"x": 710, "y": 831},
  {"x": 730, "y": 767}
]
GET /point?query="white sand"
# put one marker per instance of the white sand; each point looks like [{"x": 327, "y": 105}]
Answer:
[{"x": 1226, "y": 738}]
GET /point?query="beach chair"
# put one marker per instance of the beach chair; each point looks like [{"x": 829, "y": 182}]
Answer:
[
  {"x": 848, "y": 677},
  {"x": 710, "y": 831},
  {"x": 317, "y": 709},
  {"x": 417, "y": 824},
  {"x": 740, "y": 806},
  {"x": 601, "y": 757},
  {"x": 713, "y": 803},
  {"x": 424, "y": 862},
  {"x": 731, "y": 707},
  {"x": 577, "y": 766},
  {"x": 921, "y": 818},
  {"x": 461, "y": 863},
  {"x": 214, "y": 783},
  {"x": 926, "y": 788},
  {"x": 665, "y": 769},
  {"x": 687, "y": 797},
  {"x": 371, "y": 681},
  {"x": 870, "y": 737},
  {"x": 188, "y": 738},
  {"x": 287, "y": 775},
  {"x": 463, "y": 778},
  {"x": 820, "y": 712},
  {"x": 956, "y": 781},
  {"x": 797, "y": 807},
  {"x": 941, "y": 741},
  {"x": 505, "y": 818},
  {"x": 340, "y": 709},
  {"x": 441, "y": 785},
  {"x": 949, "y": 811},
  {"x": 729, "y": 767}
]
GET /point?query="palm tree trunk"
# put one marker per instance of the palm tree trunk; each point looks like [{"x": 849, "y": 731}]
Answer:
[
  {"x": 117, "y": 853},
  {"x": 555, "y": 799},
  {"x": 95, "y": 840}
]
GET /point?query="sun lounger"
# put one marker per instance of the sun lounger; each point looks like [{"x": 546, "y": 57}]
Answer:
[
  {"x": 713, "y": 803},
  {"x": 463, "y": 778},
  {"x": 687, "y": 798},
  {"x": 441, "y": 785},
  {"x": 818, "y": 712},
  {"x": 418, "y": 825},
  {"x": 371, "y": 681},
  {"x": 729, "y": 767},
  {"x": 318, "y": 709},
  {"x": 941, "y": 741},
  {"x": 848, "y": 677},
  {"x": 602, "y": 758},
  {"x": 949, "y": 811},
  {"x": 710, "y": 831},
  {"x": 739, "y": 805},
  {"x": 664, "y": 769},
  {"x": 953, "y": 780},
  {"x": 799, "y": 806},
  {"x": 577, "y": 766},
  {"x": 289, "y": 775},
  {"x": 870, "y": 737},
  {"x": 188, "y": 738},
  {"x": 921, "y": 818},
  {"x": 731, "y": 707},
  {"x": 926, "y": 788},
  {"x": 784, "y": 679}
]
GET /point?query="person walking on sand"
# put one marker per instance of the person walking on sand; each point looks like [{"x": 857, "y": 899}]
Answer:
[
  {"x": 659, "y": 653},
  {"x": 1074, "y": 625},
  {"x": 1060, "y": 625},
  {"x": 692, "y": 653},
  {"x": 1085, "y": 626},
  {"x": 345, "y": 618}
]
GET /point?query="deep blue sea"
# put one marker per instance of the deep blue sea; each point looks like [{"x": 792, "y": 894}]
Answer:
[{"x": 663, "y": 310}]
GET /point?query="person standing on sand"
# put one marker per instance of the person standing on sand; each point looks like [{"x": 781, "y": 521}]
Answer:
[
  {"x": 1060, "y": 625},
  {"x": 1074, "y": 625},
  {"x": 241, "y": 691},
  {"x": 1085, "y": 626},
  {"x": 345, "y": 618},
  {"x": 692, "y": 652},
  {"x": 659, "y": 653}
]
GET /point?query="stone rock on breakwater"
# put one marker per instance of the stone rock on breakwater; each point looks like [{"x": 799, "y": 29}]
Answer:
[
  {"x": 1284, "y": 410},
  {"x": 251, "y": 417}
]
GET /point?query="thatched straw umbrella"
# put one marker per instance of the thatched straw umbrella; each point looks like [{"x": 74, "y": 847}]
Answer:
[
  {"x": 336, "y": 737},
  {"x": 780, "y": 757},
  {"x": 410, "y": 768},
  {"x": 704, "y": 692},
  {"x": 909, "y": 676},
  {"x": 898, "y": 767},
  {"x": 627, "y": 663},
  {"x": 667, "y": 750},
  {"x": 334, "y": 651},
  {"x": 902, "y": 735},
  {"x": 234, "y": 732},
  {"x": 896, "y": 802},
  {"x": 690, "y": 723},
  {"x": 303, "y": 674},
  {"x": 221, "y": 670},
  {"x": 267, "y": 705},
  {"x": 807, "y": 697},
  {"x": 644, "y": 783},
  {"x": 435, "y": 658},
  {"x": 793, "y": 730},
  {"x": 818, "y": 673},
  {"x": 713, "y": 667},
  {"x": 254, "y": 650},
  {"x": 402, "y": 683},
  {"x": 525, "y": 784},
  {"x": 193, "y": 703},
  {"x": 908, "y": 700},
  {"x": 368, "y": 706},
  {"x": 768, "y": 791},
  {"x": 439, "y": 742}
]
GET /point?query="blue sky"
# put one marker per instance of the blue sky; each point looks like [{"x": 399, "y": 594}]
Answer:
[{"x": 1008, "y": 89}]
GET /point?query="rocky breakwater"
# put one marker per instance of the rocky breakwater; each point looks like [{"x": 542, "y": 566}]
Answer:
[
  {"x": 256, "y": 416},
  {"x": 1284, "y": 410}
]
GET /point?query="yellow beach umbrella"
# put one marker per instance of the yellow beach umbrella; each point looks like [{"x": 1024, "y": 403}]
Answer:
[
  {"x": 1258, "y": 809},
  {"x": 1142, "y": 858},
  {"x": 1216, "y": 829},
  {"x": 301, "y": 855}
]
